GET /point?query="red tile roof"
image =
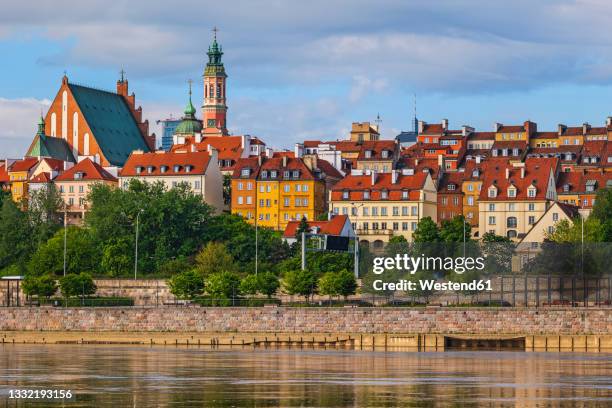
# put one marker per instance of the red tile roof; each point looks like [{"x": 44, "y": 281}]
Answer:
[
  {"x": 251, "y": 163},
  {"x": 90, "y": 171},
  {"x": 23, "y": 165},
  {"x": 291, "y": 164},
  {"x": 455, "y": 179},
  {"x": 331, "y": 227},
  {"x": 356, "y": 185},
  {"x": 198, "y": 160},
  {"x": 376, "y": 148},
  {"x": 43, "y": 177},
  {"x": 545, "y": 135},
  {"x": 594, "y": 147},
  {"x": 511, "y": 129},
  {"x": 4, "y": 177},
  {"x": 482, "y": 136},
  {"x": 432, "y": 129},
  {"x": 537, "y": 171},
  {"x": 283, "y": 154},
  {"x": 576, "y": 181}
]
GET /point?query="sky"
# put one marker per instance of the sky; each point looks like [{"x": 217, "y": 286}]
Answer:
[{"x": 306, "y": 70}]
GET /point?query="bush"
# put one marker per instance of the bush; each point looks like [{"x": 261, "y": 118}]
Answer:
[
  {"x": 222, "y": 285},
  {"x": 186, "y": 285},
  {"x": 41, "y": 286},
  {"x": 299, "y": 282},
  {"x": 77, "y": 285},
  {"x": 265, "y": 283}
]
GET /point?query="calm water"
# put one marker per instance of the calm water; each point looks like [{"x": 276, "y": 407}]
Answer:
[{"x": 134, "y": 376}]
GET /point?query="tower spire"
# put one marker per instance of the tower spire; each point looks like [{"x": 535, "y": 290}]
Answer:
[
  {"x": 189, "y": 109},
  {"x": 214, "y": 108}
]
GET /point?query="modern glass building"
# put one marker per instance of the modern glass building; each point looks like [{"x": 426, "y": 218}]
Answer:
[{"x": 168, "y": 127}]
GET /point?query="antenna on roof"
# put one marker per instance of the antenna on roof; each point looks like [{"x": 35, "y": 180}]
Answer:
[
  {"x": 122, "y": 73},
  {"x": 378, "y": 122},
  {"x": 416, "y": 122}
]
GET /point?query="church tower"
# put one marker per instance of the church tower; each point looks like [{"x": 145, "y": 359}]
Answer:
[{"x": 214, "y": 110}]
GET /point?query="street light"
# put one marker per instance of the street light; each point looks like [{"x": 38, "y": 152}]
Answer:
[
  {"x": 256, "y": 242},
  {"x": 65, "y": 235},
  {"x": 136, "y": 246}
]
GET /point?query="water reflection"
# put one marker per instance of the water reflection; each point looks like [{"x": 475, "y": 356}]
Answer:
[{"x": 146, "y": 377}]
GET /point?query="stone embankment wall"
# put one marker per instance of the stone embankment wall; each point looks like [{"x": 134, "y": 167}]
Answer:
[{"x": 312, "y": 320}]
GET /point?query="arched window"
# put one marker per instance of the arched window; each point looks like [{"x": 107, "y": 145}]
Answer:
[
  {"x": 511, "y": 222},
  {"x": 511, "y": 234}
]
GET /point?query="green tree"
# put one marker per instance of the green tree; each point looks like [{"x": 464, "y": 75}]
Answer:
[
  {"x": 602, "y": 211},
  {"x": 341, "y": 283},
  {"x": 214, "y": 258},
  {"x": 15, "y": 236},
  {"x": 44, "y": 213},
  {"x": 223, "y": 285},
  {"x": 249, "y": 285},
  {"x": 81, "y": 284},
  {"x": 492, "y": 237},
  {"x": 268, "y": 284},
  {"x": 299, "y": 282},
  {"x": 117, "y": 259},
  {"x": 454, "y": 230},
  {"x": 427, "y": 231},
  {"x": 41, "y": 286},
  {"x": 186, "y": 284},
  {"x": 81, "y": 253}
]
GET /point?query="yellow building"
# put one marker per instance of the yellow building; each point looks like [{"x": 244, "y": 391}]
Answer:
[
  {"x": 505, "y": 133},
  {"x": 19, "y": 174},
  {"x": 471, "y": 186},
  {"x": 286, "y": 189},
  {"x": 515, "y": 195},
  {"x": 387, "y": 204},
  {"x": 364, "y": 131}
]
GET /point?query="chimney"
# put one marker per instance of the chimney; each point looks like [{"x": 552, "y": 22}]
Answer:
[
  {"x": 421, "y": 126},
  {"x": 373, "y": 173},
  {"x": 444, "y": 124},
  {"x": 466, "y": 130},
  {"x": 585, "y": 128},
  {"x": 214, "y": 155},
  {"x": 478, "y": 159},
  {"x": 561, "y": 129},
  {"x": 298, "y": 150},
  {"x": 198, "y": 137},
  {"x": 284, "y": 161},
  {"x": 507, "y": 173},
  {"x": 122, "y": 87},
  {"x": 496, "y": 127},
  {"x": 394, "y": 174},
  {"x": 441, "y": 161},
  {"x": 259, "y": 159},
  {"x": 522, "y": 172},
  {"x": 245, "y": 142},
  {"x": 193, "y": 148},
  {"x": 609, "y": 121},
  {"x": 530, "y": 127},
  {"x": 269, "y": 152}
]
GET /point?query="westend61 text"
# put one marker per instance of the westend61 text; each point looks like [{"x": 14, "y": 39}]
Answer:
[{"x": 431, "y": 284}]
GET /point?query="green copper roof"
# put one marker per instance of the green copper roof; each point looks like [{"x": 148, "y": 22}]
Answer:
[
  {"x": 49, "y": 146},
  {"x": 111, "y": 122},
  {"x": 214, "y": 67},
  {"x": 189, "y": 124}
]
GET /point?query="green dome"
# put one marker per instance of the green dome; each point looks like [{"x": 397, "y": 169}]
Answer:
[{"x": 189, "y": 124}]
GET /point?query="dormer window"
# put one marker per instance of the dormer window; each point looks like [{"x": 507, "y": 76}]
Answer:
[
  {"x": 273, "y": 174},
  {"x": 385, "y": 154},
  {"x": 163, "y": 169},
  {"x": 451, "y": 187},
  {"x": 78, "y": 175},
  {"x": 531, "y": 192},
  {"x": 188, "y": 168},
  {"x": 366, "y": 195},
  {"x": 566, "y": 188},
  {"x": 512, "y": 191},
  {"x": 296, "y": 174},
  {"x": 515, "y": 151},
  {"x": 245, "y": 172},
  {"x": 404, "y": 195},
  {"x": 492, "y": 193},
  {"x": 345, "y": 195},
  {"x": 150, "y": 169},
  {"x": 138, "y": 169},
  {"x": 368, "y": 154},
  {"x": 475, "y": 173},
  {"x": 176, "y": 168},
  {"x": 384, "y": 194},
  {"x": 286, "y": 174},
  {"x": 264, "y": 174},
  {"x": 590, "y": 185}
]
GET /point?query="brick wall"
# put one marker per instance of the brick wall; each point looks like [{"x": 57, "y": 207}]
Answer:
[{"x": 303, "y": 320}]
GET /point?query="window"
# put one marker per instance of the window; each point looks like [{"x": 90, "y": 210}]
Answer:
[
  {"x": 286, "y": 174},
  {"x": 383, "y": 211},
  {"x": 395, "y": 211},
  {"x": 71, "y": 189},
  {"x": 249, "y": 200},
  {"x": 551, "y": 229},
  {"x": 245, "y": 172},
  {"x": 531, "y": 192},
  {"x": 511, "y": 222},
  {"x": 286, "y": 188},
  {"x": 366, "y": 195},
  {"x": 240, "y": 186},
  {"x": 298, "y": 202},
  {"x": 286, "y": 202},
  {"x": 354, "y": 212},
  {"x": 273, "y": 174},
  {"x": 365, "y": 211},
  {"x": 404, "y": 226},
  {"x": 512, "y": 192},
  {"x": 344, "y": 210},
  {"x": 81, "y": 189},
  {"x": 286, "y": 217},
  {"x": 491, "y": 207},
  {"x": 456, "y": 200},
  {"x": 240, "y": 200},
  {"x": 176, "y": 168},
  {"x": 264, "y": 174},
  {"x": 374, "y": 211},
  {"x": 470, "y": 187},
  {"x": 585, "y": 202},
  {"x": 298, "y": 188},
  {"x": 296, "y": 173},
  {"x": 511, "y": 207},
  {"x": 305, "y": 202},
  {"x": 365, "y": 226},
  {"x": 305, "y": 188},
  {"x": 61, "y": 189},
  {"x": 451, "y": 187},
  {"x": 414, "y": 226},
  {"x": 531, "y": 207},
  {"x": 374, "y": 225},
  {"x": 492, "y": 192},
  {"x": 395, "y": 226},
  {"x": 470, "y": 200},
  {"x": 249, "y": 186},
  {"x": 261, "y": 203},
  {"x": 70, "y": 201},
  {"x": 384, "y": 194},
  {"x": 491, "y": 220},
  {"x": 415, "y": 210},
  {"x": 345, "y": 195},
  {"x": 268, "y": 203},
  {"x": 196, "y": 184},
  {"x": 555, "y": 217},
  {"x": 404, "y": 211},
  {"x": 268, "y": 188},
  {"x": 444, "y": 201}
]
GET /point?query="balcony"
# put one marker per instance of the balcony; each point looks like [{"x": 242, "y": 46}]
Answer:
[{"x": 374, "y": 232}]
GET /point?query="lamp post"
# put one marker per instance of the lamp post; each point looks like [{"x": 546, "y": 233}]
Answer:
[
  {"x": 65, "y": 235},
  {"x": 256, "y": 241},
  {"x": 136, "y": 246}
]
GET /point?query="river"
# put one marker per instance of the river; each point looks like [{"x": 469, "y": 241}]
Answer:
[{"x": 137, "y": 376}]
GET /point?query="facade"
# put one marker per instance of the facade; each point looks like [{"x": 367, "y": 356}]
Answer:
[
  {"x": 450, "y": 196},
  {"x": 383, "y": 205},
  {"x": 579, "y": 188},
  {"x": 471, "y": 187},
  {"x": 104, "y": 126},
  {"x": 363, "y": 131},
  {"x": 168, "y": 128},
  {"x": 515, "y": 195},
  {"x": 19, "y": 174},
  {"x": 199, "y": 170},
  {"x": 75, "y": 183},
  {"x": 286, "y": 189},
  {"x": 378, "y": 155}
]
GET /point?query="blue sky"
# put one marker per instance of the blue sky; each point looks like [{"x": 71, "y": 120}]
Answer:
[{"x": 308, "y": 69}]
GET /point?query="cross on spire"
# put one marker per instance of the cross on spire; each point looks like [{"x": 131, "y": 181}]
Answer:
[
  {"x": 122, "y": 72},
  {"x": 190, "y": 81},
  {"x": 215, "y": 30}
]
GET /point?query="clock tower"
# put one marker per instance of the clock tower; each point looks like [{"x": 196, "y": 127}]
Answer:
[{"x": 214, "y": 110}]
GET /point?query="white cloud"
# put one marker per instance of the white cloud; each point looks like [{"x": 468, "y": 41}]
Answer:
[
  {"x": 19, "y": 118},
  {"x": 363, "y": 85}
]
